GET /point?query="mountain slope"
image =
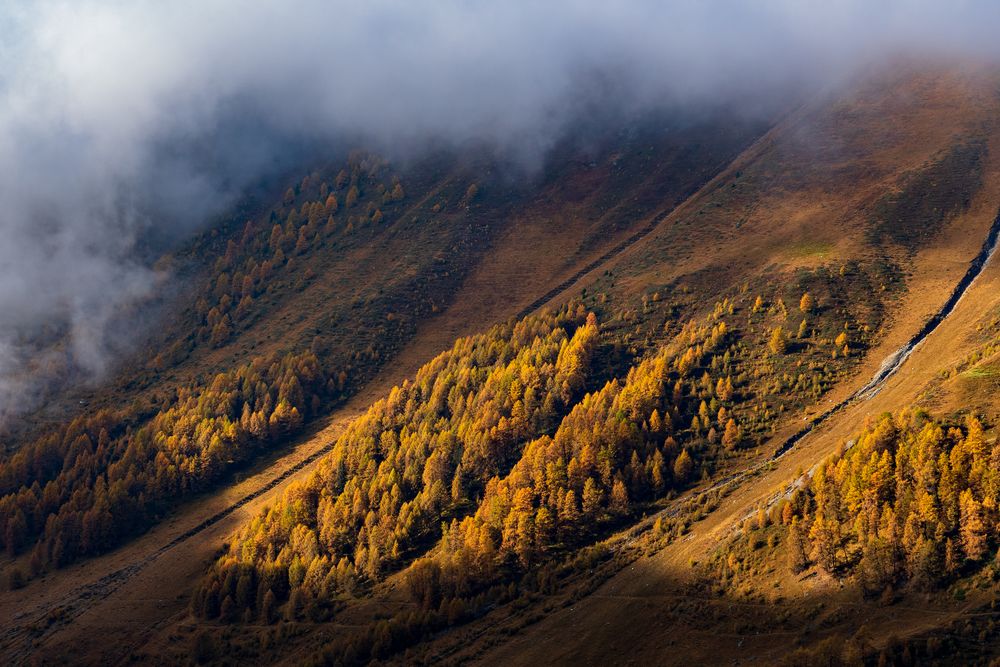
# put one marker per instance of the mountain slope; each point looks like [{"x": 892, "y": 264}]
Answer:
[
  {"x": 731, "y": 314},
  {"x": 288, "y": 313},
  {"x": 759, "y": 620}
]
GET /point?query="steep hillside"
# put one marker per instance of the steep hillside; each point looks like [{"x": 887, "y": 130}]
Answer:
[
  {"x": 329, "y": 283},
  {"x": 814, "y": 305},
  {"x": 294, "y": 310},
  {"x": 716, "y": 602},
  {"x": 608, "y": 461}
]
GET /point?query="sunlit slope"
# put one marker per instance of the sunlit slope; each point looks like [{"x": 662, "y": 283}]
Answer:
[
  {"x": 338, "y": 275},
  {"x": 848, "y": 166}
]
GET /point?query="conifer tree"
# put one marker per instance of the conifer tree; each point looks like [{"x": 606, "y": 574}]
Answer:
[
  {"x": 683, "y": 467},
  {"x": 732, "y": 435},
  {"x": 806, "y": 303},
  {"x": 619, "y": 498},
  {"x": 591, "y": 499},
  {"x": 777, "y": 343},
  {"x": 973, "y": 528}
]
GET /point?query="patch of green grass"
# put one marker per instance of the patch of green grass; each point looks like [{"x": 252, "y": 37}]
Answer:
[
  {"x": 981, "y": 372},
  {"x": 811, "y": 249}
]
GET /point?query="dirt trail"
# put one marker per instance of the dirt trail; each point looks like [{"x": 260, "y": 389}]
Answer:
[{"x": 889, "y": 367}]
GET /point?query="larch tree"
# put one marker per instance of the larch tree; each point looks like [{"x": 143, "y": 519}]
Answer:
[
  {"x": 731, "y": 436},
  {"x": 619, "y": 498},
  {"x": 807, "y": 303},
  {"x": 778, "y": 342},
  {"x": 591, "y": 499},
  {"x": 683, "y": 467},
  {"x": 973, "y": 528}
]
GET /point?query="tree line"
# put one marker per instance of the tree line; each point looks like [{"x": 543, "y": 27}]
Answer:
[
  {"x": 85, "y": 486},
  {"x": 310, "y": 212},
  {"x": 912, "y": 501},
  {"x": 417, "y": 457},
  {"x": 592, "y": 432},
  {"x": 83, "y": 489},
  {"x": 495, "y": 451}
]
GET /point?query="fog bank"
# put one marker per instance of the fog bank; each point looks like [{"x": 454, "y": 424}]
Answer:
[{"x": 121, "y": 118}]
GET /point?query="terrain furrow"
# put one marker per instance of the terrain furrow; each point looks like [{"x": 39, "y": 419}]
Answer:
[{"x": 888, "y": 368}]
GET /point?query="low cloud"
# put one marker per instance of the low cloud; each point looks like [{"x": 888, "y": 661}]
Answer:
[{"x": 122, "y": 120}]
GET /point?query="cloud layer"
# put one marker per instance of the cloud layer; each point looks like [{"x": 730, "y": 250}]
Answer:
[{"x": 118, "y": 119}]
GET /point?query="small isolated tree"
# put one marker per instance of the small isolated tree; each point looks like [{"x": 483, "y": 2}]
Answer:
[
  {"x": 732, "y": 435},
  {"x": 778, "y": 342},
  {"x": 807, "y": 303}
]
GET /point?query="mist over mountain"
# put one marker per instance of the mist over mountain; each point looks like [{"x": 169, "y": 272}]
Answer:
[
  {"x": 120, "y": 119},
  {"x": 499, "y": 333}
]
